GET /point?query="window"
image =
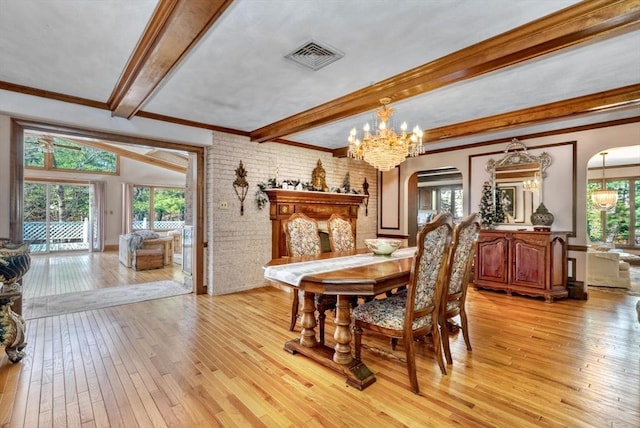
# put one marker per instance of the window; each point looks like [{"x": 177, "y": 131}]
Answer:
[
  {"x": 621, "y": 225},
  {"x": 56, "y": 153},
  {"x": 158, "y": 208},
  {"x": 439, "y": 199},
  {"x": 439, "y": 191},
  {"x": 56, "y": 216}
]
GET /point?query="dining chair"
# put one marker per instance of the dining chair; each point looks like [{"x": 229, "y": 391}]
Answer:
[
  {"x": 417, "y": 314},
  {"x": 341, "y": 239},
  {"x": 459, "y": 267},
  {"x": 303, "y": 239},
  {"x": 340, "y": 234}
]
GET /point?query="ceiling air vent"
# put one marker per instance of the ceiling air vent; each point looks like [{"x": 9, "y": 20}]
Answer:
[{"x": 313, "y": 55}]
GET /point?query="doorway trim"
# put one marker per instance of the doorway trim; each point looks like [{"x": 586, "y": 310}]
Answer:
[{"x": 16, "y": 183}]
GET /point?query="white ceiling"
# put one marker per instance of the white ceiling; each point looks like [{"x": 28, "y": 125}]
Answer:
[
  {"x": 616, "y": 156},
  {"x": 236, "y": 77}
]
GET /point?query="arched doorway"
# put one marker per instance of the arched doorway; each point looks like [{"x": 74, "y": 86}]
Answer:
[
  {"x": 430, "y": 192},
  {"x": 618, "y": 225}
]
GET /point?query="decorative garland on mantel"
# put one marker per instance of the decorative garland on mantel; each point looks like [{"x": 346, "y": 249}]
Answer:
[{"x": 262, "y": 199}]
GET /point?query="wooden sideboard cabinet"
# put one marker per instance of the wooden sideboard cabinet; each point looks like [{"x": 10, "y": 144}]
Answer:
[{"x": 526, "y": 262}]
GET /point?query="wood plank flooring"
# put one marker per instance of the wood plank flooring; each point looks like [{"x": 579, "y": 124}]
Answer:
[
  {"x": 191, "y": 361},
  {"x": 80, "y": 271}
]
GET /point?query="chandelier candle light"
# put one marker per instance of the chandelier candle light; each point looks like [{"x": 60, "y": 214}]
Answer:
[
  {"x": 385, "y": 149},
  {"x": 604, "y": 199}
]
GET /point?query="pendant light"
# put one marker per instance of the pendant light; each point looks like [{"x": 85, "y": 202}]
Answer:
[{"x": 604, "y": 199}]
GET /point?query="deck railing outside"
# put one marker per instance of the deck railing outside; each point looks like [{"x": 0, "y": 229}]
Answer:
[
  {"x": 158, "y": 225},
  {"x": 63, "y": 235},
  {"x": 74, "y": 235}
]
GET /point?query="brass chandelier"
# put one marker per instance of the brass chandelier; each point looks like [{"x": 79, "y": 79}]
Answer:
[
  {"x": 386, "y": 148},
  {"x": 604, "y": 199}
]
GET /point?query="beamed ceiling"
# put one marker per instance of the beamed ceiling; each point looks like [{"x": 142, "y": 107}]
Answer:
[{"x": 466, "y": 71}]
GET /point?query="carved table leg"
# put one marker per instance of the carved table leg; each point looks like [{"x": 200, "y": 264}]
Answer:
[
  {"x": 308, "y": 334},
  {"x": 342, "y": 333},
  {"x": 338, "y": 358},
  {"x": 12, "y": 331}
]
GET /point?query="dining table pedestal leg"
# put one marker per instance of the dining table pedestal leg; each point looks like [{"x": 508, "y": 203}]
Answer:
[
  {"x": 342, "y": 334},
  {"x": 308, "y": 332},
  {"x": 338, "y": 358}
]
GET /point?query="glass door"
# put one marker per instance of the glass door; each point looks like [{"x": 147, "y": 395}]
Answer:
[{"x": 56, "y": 216}]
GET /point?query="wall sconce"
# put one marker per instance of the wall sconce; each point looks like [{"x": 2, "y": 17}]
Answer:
[
  {"x": 241, "y": 186},
  {"x": 365, "y": 188}
]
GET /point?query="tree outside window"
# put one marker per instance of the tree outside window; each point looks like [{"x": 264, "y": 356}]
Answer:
[
  {"x": 67, "y": 155},
  {"x": 158, "y": 208},
  {"x": 620, "y": 225}
]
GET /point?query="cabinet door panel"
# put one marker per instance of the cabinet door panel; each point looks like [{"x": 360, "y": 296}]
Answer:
[
  {"x": 493, "y": 256},
  {"x": 528, "y": 264}
]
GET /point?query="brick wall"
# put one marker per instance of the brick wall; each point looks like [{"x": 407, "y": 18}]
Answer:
[{"x": 238, "y": 246}]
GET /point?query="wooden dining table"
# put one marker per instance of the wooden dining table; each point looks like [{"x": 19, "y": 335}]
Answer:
[{"x": 347, "y": 274}]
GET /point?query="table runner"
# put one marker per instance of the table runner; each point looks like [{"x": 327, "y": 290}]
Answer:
[{"x": 293, "y": 273}]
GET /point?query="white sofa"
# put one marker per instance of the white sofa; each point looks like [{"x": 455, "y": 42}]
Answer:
[{"x": 607, "y": 270}]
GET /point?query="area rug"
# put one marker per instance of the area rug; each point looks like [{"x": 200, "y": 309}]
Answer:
[
  {"x": 633, "y": 291},
  {"x": 60, "y": 304}
]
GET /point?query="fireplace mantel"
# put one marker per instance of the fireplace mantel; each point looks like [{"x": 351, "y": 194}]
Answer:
[{"x": 317, "y": 205}]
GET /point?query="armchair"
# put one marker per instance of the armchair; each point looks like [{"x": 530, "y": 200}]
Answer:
[{"x": 607, "y": 270}]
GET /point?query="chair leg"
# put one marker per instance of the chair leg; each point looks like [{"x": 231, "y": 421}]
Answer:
[
  {"x": 294, "y": 310},
  {"x": 357, "y": 341},
  {"x": 321, "y": 319},
  {"x": 393, "y": 342},
  {"x": 411, "y": 364},
  {"x": 437, "y": 344},
  {"x": 444, "y": 331},
  {"x": 465, "y": 331}
]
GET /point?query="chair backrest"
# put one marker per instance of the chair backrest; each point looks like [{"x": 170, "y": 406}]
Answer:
[
  {"x": 340, "y": 234},
  {"x": 426, "y": 283},
  {"x": 461, "y": 254},
  {"x": 302, "y": 236}
]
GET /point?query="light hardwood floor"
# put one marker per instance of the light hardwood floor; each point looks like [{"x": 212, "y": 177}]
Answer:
[
  {"x": 191, "y": 361},
  {"x": 80, "y": 271}
]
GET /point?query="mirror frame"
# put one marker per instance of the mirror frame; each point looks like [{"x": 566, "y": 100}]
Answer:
[{"x": 517, "y": 154}]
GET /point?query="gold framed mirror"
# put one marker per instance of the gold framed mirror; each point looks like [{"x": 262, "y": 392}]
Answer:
[{"x": 518, "y": 178}]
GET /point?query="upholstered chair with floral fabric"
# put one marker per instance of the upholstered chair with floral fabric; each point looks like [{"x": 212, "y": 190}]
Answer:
[
  {"x": 303, "y": 239},
  {"x": 459, "y": 267},
  {"x": 417, "y": 314},
  {"x": 340, "y": 234}
]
